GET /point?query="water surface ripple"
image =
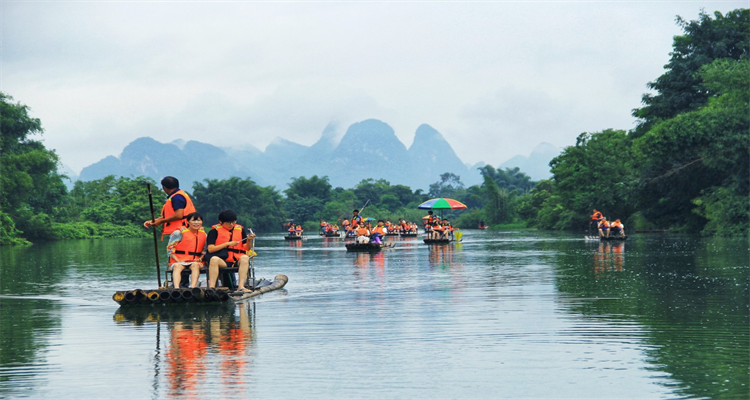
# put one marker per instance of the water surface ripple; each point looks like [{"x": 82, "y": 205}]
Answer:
[{"x": 500, "y": 315}]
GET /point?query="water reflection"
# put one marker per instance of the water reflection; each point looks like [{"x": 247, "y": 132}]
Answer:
[
  {"x": 526, "y": 314},
  {"x": 202, "y": 342},
  {"x": 608, "y": 258}
]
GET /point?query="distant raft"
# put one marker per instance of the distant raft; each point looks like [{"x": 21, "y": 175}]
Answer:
[
  {"x": 613, "y": 238},
  {"x": 195, "y": 295}
]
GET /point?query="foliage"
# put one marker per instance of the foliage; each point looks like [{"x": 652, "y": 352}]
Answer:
[
  {"x": 450, "y": 186},
  {"x": 680, "y": 88},
  {"x": 508, "y": 179},
  {"x": 29, "y": 182},
  {"x": 302, "y": 187},
  {"x": 256, "y": 207},
  {"x": 687, "y": 161},
  {"x": 594, "y": 173}
]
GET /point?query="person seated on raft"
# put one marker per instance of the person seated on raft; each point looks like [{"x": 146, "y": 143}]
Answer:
[
  {"x": 447, "y": 229},
  {"x": 228, "y": 246},
  {"x": 438, "y": 231},
  {"x": 363, "y": 234},
  {"x": 603, "y": 227},
  {"x": 345, "y": 225},
  {"x": 378, "y": 232},
  {"x": 291, "y": 230},
  {"x": 186, "y": 249},
  {"x": 298, "y": 230},
  {"x": 323, "y": 227},
  {"x": 402, "y": 225},
  {"x": 617, "y": 228}
]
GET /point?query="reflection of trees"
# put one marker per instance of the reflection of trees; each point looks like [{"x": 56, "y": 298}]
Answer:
[
  {"x": 692, "y": 303},
  {"x": 23, "y": 319}
]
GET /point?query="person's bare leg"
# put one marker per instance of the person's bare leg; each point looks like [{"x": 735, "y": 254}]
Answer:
[
  {"x": 177, "y": 274},
  {"x": 213, "y": 270},
  {"x": 244, "y": 264},
  {"x": 195, "y": 272}
]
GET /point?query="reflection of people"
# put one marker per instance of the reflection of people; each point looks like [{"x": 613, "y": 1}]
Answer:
[
  {"x": 186, "y": 249},
  {"x": 228, "y": 246},
  {"x": 175, "y": 209},
  {"x": 185, "y": 357}
]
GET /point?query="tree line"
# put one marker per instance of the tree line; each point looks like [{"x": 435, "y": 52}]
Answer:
[{"x": 684, "y": 167}]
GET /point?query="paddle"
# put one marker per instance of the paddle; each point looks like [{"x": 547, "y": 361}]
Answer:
[{"x": 153, "y": 227}]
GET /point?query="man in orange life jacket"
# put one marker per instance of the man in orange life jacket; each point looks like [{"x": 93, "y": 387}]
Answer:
[
  {"x": 175, "y": 209},
  {"x": 227, "y": 245},
  {"x": 186, "y": 248}
]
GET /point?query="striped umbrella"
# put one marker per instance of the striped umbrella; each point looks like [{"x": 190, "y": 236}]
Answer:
[{"x": 442, "y": 203}]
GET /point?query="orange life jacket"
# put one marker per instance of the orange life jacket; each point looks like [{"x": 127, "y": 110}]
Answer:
[
  {"x": 604, "y": 224},
  {"x": 379, "y": 229},
  {"x": 167, "y": 211},
  {"x": 190, "y": 247},
  {"x": 615, "y": 224},
  {"x": 596, "y": 216},
  {"x": 235, "y": 235},
  {"x": 362, "y": 231}
]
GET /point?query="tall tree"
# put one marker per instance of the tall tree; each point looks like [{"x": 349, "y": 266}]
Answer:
[
  {"x": 681, "y": 88},
  {"x": 31, "y": 189},
  {"x": 694, "y": 167},
  {"x": 256, "y": 207}
]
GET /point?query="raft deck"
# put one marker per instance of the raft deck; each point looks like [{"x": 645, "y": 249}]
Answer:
[{"x": 194, "y": 295}]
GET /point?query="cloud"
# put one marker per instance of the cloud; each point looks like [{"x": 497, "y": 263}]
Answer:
[{"x": 494, "y": 78}]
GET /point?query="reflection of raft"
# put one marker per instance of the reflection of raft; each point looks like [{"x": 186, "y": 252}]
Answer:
[
  {"x": 409, "y": 234},
  {"x": 292, "y": 237},
  {"x": 144, "y": 315},
  {"x": 194, "y": 295},
  {"x": 438, "y": 241},
  {"x": 331, "y": 234},
  {"x": 613, "y": 238},
  {"x": 371, "y": 247}
]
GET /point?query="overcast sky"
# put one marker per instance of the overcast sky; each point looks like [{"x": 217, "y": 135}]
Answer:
[{"x": 496, "y": 78}]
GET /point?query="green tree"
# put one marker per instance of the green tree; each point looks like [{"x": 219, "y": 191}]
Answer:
[
  {"x": 256, "y": 207},
  {"x": 694, "y": 167},
  {"x": 595, "y": 173},
  {"x": 449, "y": 185},
  {"x": 302, "y": 187},
  {"x": 31, "y": 190},
  {"x": 680, "y": 88}
]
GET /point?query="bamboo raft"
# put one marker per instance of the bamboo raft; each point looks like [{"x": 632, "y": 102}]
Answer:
[
  {"x": 293, "y": 237},
  {"x": 364, "y": 247},
  {"x": 195, "y": 295}
]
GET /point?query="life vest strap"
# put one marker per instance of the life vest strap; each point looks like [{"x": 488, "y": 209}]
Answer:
[{"x": 192, "y": 253}]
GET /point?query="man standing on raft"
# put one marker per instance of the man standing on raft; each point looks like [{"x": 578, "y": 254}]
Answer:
[{"x": 175, "y": 209}]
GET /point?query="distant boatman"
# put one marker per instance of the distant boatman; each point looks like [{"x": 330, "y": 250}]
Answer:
[{"x": 175, "y": 209}]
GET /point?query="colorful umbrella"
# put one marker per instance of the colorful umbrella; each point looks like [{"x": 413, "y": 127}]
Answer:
[
  {"x": 368, "y": 219},
  {"x": 442, "y": 204}
]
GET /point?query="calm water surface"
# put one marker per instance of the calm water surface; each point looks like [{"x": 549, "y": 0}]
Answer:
[{"x": 501, "y": 315}]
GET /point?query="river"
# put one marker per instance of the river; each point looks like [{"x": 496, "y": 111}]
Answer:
[{"x": 511, "y": 314}]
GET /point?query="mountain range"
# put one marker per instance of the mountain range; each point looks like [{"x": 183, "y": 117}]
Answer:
[{"x": 368, "y": 149}]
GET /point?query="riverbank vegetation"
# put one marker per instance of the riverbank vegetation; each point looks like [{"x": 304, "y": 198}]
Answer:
[{"x": 685, "y": 167}]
